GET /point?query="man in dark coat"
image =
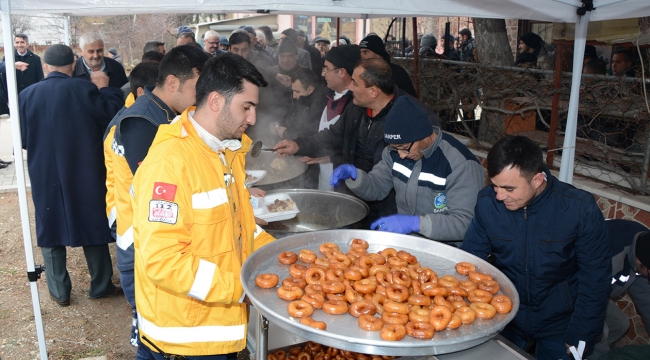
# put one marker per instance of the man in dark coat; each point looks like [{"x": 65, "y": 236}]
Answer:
[
  {"x": 93, "y": 60},
  {"x": 33, "y": 72},
  {"x": 372, "y": 47},
  {"x": 314, "y": 54},
  {"x": 529, "y": 46},
  {"x": 63, "y": 138}
]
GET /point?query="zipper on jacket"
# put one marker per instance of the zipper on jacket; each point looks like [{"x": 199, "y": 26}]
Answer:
[{"x": 526, "y": 272}]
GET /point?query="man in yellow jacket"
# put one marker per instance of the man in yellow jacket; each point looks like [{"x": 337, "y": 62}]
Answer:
[{"x": 193, "y": 221}]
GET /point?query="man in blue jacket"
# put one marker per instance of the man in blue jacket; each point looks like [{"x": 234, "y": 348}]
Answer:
[{"x": 551, "y": 240}]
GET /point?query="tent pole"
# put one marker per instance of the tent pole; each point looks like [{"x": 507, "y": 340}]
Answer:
[
  {"x": 557, "y": 79},
  {"x": 416, "y": 58},
  {"x": 338, "y": 30},
  {"x": 364, "y": 18},
  {"x": 66, "y": 26},
  {"x": 569, "y": 148},
  {"x": 32, "y": 270}
]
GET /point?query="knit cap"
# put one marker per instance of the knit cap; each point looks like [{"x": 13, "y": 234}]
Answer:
[
  {"x": 429, "y": 40},
  {"x": 344, "y": 57},
  {"x": 58, "y": 55},
  {"x": 532, "y": 40},
  {"x": 406, "y": 122},
  {"x": 287, "y": 46},
  {"x": 376, "y": 45}
]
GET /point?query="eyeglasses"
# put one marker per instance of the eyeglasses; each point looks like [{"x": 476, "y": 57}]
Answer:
[
  {"x": 407, "y": 150},
  {"x": 325, "y": 70},
  {"x": 212, "y": 42}
]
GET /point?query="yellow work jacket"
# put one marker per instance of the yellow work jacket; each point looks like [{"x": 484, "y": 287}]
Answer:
[
  {"x": 187, "y": 262},
  {"x": 112, "y": 155}
]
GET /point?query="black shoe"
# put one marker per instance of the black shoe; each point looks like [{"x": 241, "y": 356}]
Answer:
[
  {"x": 116, "y": 291},
  {"x": 2, "y": 162},
  {"x": 2, "y": 166},
  {"x": 62, "y": 303}
]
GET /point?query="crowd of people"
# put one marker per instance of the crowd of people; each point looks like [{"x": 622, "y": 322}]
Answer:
[{"x": 156, "y": 163}]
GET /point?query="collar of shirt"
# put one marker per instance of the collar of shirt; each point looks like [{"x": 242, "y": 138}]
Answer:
[
  {"x": 90, "y": 71},
  {"x": 338, "y": 95},
  {"x": 213, "y": 143},
  {"x": 23, "y": 54}
]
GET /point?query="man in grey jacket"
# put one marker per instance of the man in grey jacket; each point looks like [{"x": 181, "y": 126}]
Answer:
[{"x": 435, "y": 177}]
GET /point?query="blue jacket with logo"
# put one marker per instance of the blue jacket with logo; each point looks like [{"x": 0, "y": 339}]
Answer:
[
  {"x": 441, "y": 187},
  {"x": 556, "y": 251}
]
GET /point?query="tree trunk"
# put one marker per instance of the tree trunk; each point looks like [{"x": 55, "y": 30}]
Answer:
[
  {"x": 492, "y": 48},
  {"x": 644, "y": 25}
]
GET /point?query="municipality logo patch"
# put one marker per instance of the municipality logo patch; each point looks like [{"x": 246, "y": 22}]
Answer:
[{"x": 440, "y": 201}]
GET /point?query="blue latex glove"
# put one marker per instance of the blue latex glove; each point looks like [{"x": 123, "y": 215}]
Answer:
[
  {"x": 342, "y": 172},
  {"x": 402, "y": 224}
]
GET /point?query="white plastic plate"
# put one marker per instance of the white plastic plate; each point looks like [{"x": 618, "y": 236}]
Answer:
[
  {"x": 264, "y": 213},
  {"x": 258, "y": 174}
]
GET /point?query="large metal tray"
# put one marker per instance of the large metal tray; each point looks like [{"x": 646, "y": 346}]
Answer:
[
  {"x": 341, "y": 210},
  {"x": 263, "y": 161},
  {"x": 342, "y": 330}
]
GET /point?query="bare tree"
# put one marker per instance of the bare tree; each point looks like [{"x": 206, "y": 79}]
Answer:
[
  {"x": 21, "y": 24},
  {"x": 492, "y": 48}
]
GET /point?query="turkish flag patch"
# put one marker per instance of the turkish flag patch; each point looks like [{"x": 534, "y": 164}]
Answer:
[{"x": 164, "y": 191}]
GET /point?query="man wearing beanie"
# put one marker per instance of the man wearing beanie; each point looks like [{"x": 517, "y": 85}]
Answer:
[
  {"x": 529, "y": 46},
  {"x": 358, "y": 136},
  {"x": 63, "y": 139},
  {"x": 435, "y": 177},
  {"x": 314, "y": 54},
  {"x": 630, "y": 242},
  {"x": 303, "y": 56},
  {"x": 286, "y": 67},
  {"x": 337, "y": 73},
  {"x": 372, "y": 47}
]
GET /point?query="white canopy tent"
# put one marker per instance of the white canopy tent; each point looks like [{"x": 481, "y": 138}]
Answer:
[{"x": 542, "y": 10}]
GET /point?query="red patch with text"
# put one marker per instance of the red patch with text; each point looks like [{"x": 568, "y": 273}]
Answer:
[{"x": 164, "y": 191}]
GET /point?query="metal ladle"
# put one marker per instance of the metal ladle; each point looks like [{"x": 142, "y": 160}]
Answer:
[{"x": 257, "y": 148}]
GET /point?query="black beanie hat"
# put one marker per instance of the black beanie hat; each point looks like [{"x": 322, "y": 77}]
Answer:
[
  {"x": 291, "y": 34},
  {"x": 642, "y": 250},
  {"x": 345, "y": 57},
  {"x": 376, "y": 45},
  {"x": 429, "y": 40},
  {"x": 58, "y": 55},
  {"x": 406, "y": 122},
  {"x": 532, "y": 40},
  {"x": 287, "y": 46}
]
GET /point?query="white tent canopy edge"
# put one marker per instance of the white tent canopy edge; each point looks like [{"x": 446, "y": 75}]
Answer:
[{"x": 542, "y": 10}]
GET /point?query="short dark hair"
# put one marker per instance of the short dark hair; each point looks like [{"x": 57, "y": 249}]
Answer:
[
  {"x": 466, "y": 31},
  {"x": 515, "y": 151},
  {"x": 226, "y": 75},
  {"x": 377, "y": 73},
  {"x": 267, "y": 32},
  {"x": 238, "y": 37},
  {"x": 152, "y": 56},
  {"x": 152, "y": 45},
  {"x": 22, "y": 36},
  {"x": 143, "y": 74},
  {"x": 627, "y": 53},
  {"x": 180, "y": 62},
  {"x": 307, "y": 78}
]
